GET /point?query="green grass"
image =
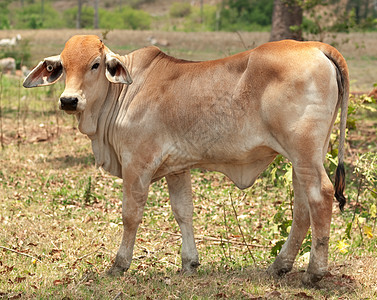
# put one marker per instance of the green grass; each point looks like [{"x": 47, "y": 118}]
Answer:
[{"x": 60, "y": 222}]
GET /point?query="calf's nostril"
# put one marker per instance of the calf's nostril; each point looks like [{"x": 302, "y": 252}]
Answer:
[{"x": 68, "y": 103}]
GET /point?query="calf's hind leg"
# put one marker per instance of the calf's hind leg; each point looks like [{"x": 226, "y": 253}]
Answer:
[
  {"x": 181, "y": 201},
  {"x": 320, "y": 194},
  {"x": 315, "y": 204}
]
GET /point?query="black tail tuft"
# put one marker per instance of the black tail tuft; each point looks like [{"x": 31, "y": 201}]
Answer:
[{"x": 340, "y": 184}]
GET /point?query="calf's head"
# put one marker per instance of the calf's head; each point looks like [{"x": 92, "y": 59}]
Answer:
[{"x": 89, "y": 67}]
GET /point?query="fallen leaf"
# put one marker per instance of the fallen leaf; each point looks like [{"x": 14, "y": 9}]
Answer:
[
  {"x": 17, "y": 296},
  {"x": 58, "y": 282},
  {"x": 7, "y": 269},
  {"x": 19, "y": 279},
  {"x": 329, "y": 275},
  {"x": 220, "y": 295},
  {"x": 89, "y": 219},
  {"x": 89, "y": 282},
  {"x": 54, "y": 251},
  {"x": 250, "y": 296},
  {"x": 347, "y": 277},
  {"x": 368, "y": 231},
  {"x": 273, "y": 294},
  {"x": 303, "y": 295},
  {"x": 65, "y": 280}
]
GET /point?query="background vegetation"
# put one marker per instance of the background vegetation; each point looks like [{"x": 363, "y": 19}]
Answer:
[{"x": 225, "y": 15}]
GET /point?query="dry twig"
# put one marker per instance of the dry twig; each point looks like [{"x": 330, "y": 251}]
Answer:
[
  {"x": 241, "y": 39},
  {"x": 20, "y": 253},
  {"x": 1, "y": 112},
  {"x": 239, "y": 226},
  {"x": 118, "y": 296},
  {"x": 227, "y": 232},
  {"x": 206, "y": 238}
]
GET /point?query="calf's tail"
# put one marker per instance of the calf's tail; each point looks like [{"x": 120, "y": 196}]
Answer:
[{"x": 343, "y": 96}]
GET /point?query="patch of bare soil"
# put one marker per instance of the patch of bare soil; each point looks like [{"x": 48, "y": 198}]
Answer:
[{"x": 13, "y": 133}]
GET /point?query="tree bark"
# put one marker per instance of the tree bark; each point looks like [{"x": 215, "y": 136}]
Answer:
[
  {"x": 287, "y": 15},
  {"x": 78, "y": 20},
  {"x": 42, "y": 10},
  {"x": 96, "y": 2}
]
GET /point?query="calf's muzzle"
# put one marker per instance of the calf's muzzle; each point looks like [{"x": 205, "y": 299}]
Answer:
[{"x": 68, "y": 103}]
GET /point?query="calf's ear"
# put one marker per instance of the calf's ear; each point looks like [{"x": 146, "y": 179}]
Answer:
[
  {"x": 46, "y": 72},
  {"x": 116, "y": 71}
]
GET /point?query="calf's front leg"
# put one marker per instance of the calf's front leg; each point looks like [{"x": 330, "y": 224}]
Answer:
[
  {"x": 135, "y": 195},
  {"x": 181, "y": 202}
]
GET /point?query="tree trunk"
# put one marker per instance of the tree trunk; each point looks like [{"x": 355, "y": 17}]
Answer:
[
  {"x": 42, "y": 10},
  {"x": 96, "y": 2},
  {"x": 286, "y": 21},
  {"x": 78, "y": 20},
  {"x": 201, "y": 11},
  {"x": 366, "y": 10}
]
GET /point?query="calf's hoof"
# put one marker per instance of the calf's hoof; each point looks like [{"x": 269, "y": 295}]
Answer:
[
  {"x": 279, "y": 268},
  {"x": 116, "y": 270},
  {"x": 311, "y": 280},
  {"x": 190, "y": 267}
]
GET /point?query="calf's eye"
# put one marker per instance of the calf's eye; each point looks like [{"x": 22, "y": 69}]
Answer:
[{"x": 95, "y": 66}]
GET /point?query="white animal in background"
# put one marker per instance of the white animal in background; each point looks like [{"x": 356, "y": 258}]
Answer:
[
  {"x": 156, "y": 42},
  {"x": 10, "y": 42},
  {"x": 8, "y": 65},
  {"x": 25, "y": 71}
]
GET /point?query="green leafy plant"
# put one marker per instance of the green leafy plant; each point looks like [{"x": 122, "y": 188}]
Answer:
[
  {"x": 364, "y": 209},
  {"x": 36, "y": 16},
  {"x": 125, "y": 18},
  {"x": 87, "y": 15},
  {"x": 245, "y": 13},
  {"x": 180, "y": 9},
  {"x": 88, "y": 196},
  {"x": 4, "y": 14}
]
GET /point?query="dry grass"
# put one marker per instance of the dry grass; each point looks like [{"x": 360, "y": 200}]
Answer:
[{"x": 72, "y": 240}]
